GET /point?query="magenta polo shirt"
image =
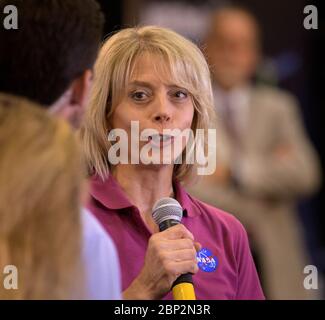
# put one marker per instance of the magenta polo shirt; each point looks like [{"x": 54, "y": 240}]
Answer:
[{"x": 226, "y": 267}]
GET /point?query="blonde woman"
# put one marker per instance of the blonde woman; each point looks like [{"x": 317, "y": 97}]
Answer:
[
  {"x": 42, "y": 232},
  {"x": 160, "y": 80}
]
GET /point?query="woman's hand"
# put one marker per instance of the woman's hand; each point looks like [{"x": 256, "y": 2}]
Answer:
[{"x": 170, "y": 254}]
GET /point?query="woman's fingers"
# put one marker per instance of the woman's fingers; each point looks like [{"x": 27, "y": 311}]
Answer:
[
  {"x": 169, "y": 254},
  {"x": 177, "y": 232},
  {"x": 181, "y": 255}
]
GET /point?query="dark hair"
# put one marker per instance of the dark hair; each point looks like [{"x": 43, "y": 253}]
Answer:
[{"x": 56, "y": 41}]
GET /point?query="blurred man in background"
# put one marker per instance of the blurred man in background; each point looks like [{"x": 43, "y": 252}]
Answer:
[{"x": 264, "y": 159}]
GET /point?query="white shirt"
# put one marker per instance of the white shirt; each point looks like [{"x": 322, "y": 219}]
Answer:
[{"x": 103, "y": 280}]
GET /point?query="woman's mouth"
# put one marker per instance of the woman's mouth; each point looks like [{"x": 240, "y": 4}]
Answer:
[{"x": 160, "y": 140}]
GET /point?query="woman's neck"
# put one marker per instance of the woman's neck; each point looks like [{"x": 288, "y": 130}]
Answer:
[{"x": 144, "y": 186}]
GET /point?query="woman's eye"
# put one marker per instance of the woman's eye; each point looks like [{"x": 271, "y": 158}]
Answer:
[
  {"x": 181, "y": 94},
  {"x": 139, "y": 95}
]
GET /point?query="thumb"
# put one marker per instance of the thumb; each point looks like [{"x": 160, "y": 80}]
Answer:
[{"x": 197, "y": 246}]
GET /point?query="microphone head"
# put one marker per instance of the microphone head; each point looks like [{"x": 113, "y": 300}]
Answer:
[{"x": 167, "y": 209}]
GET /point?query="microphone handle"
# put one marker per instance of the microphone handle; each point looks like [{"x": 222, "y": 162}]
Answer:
[
  {"x": 182, "y": 287},
  {"x": 167, "y": 224}
]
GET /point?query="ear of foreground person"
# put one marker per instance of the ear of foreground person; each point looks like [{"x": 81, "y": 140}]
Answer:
[{"x": 58, "y": 252}]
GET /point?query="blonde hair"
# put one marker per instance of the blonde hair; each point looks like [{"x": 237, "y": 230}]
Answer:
[
  {"x": 40, "y": 180},
  {"x": 113, "y": 70}
]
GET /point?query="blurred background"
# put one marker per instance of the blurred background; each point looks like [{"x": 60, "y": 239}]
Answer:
[{"x": 292, "y": 60}]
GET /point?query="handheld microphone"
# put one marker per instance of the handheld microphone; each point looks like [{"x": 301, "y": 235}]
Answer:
[{"x": 167, "y": 212}]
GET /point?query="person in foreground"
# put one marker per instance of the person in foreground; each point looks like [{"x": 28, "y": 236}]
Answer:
[
  {"x": 41, "y": 191},
  {"x": 49, "y": 60},
  {"x": 157, "y": 78}
]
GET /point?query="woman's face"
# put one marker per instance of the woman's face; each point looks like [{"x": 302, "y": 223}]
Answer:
[{"x": 156, "y": 102}]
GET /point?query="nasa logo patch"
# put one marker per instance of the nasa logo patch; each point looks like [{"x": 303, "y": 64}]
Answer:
[{"x": 206, "y": 261}]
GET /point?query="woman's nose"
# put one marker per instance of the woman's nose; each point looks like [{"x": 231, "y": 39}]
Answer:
[
  {"x": 162, "y": 111},
  {"x": 161, "y": 118}
]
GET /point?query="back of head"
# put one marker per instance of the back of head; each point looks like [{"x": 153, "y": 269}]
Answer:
[
  {"x": 40, "y": 181},
  {"x": 56, "y": 41}
]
